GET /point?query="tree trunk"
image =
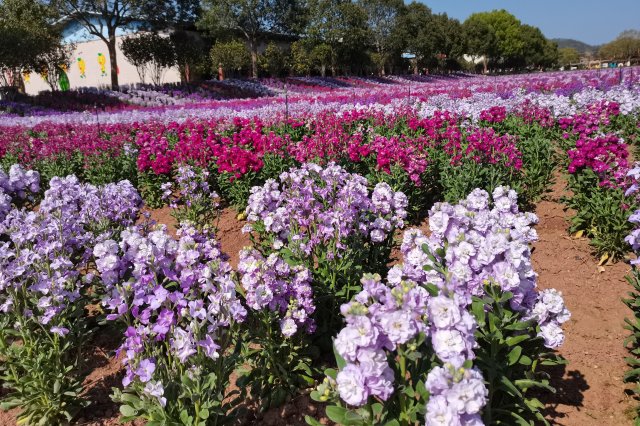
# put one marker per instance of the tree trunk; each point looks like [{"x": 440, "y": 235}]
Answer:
[
  {"x": 113, "y": 61},
  {"x": 253, "y": 46},
  {"x": 484, "y": 63},
  {"x": 21, "y": 88},
  {"x": 187, "y": 73}
]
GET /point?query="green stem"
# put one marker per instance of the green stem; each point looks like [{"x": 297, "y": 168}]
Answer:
[{"x": 404, "y": 417}]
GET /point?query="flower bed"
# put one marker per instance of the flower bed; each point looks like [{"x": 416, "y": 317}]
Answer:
[{"x": 453, "y": 334}]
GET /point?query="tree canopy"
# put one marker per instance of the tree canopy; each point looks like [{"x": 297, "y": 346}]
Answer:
[
  {"x": 29, "y": 39},
  {"x": 504, "y": 42},
  {"x": 336, "y": 36},
  {"x": 625, "y": 47}
]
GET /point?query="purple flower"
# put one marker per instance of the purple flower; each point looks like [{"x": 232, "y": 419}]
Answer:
[
  {"x": 145, "y": 370},
  {"x": 351, "y": 385},
  {"x": 156, "y": 390},
  {"x": 60, "y": 331},
  {"x": 398, "y": 326}
]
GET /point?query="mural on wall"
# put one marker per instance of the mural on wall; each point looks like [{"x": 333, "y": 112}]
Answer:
[
  {"x": 102, "y": 61},
  {"x": 63, "y": 79},
  {"x": 82, "y": 66}
]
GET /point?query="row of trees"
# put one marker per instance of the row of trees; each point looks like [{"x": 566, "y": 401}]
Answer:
[
  {"x": 356, "y": 36},
  {"x": 625, "y": 47},
  {"x": 336, "y": 36},
  {"x": 152, "y": 54}
]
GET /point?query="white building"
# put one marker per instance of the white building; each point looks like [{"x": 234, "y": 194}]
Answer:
[{"x": 90, "y": 64}]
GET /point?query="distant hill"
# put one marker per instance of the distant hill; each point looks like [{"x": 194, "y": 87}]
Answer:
[{"x": 576, "y": 44}]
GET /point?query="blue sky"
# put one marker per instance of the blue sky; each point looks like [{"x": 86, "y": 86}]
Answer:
[{"x": 590, "y": 21}]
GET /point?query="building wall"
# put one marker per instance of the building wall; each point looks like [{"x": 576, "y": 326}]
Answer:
[{"x": 88, "y": 52}]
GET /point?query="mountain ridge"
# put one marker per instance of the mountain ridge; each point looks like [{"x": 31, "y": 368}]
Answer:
[{"x": 580, "y": 46}]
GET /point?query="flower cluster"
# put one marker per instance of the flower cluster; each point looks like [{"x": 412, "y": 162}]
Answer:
[
  {"x": 380, "y": 319},
  {"x": 485, "y": 246},
  {"x": 193, "y": 200},
  {"x": 388, "y": 321},
  {"x": 485, "y": 146},
  {"x": 456, "y": 396},
  {"x": 496, "y": 114},
  {"x": 46, "y": 250},
  {"x": 633, "y": 186},
  {"x": 177, "y": 296},
  {"x": 270, "y": 283},
  {"x": 323, "y": 207},
  {"x": 100, "y": 208},
  {"x": 550, "y": 312},
  {"x": 606, "y": 155},
  {"x": 40, "y": 261},
  {"x": 17, "y": 187}
]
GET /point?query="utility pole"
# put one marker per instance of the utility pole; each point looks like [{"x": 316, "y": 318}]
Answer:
[{"x": 286, "y": 102}]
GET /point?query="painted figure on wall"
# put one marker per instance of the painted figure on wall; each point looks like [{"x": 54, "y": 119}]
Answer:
[
  {"x": 63, "y": 79},
  {"x": 82, "y": 66},
  {"x": 102, "y": 61}
]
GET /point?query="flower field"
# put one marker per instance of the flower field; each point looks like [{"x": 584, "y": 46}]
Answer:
[{"x": 356, "y": 251}]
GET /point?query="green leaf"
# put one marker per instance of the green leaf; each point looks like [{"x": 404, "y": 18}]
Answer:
[
  {"x": 514, "y": 355},
  {"x": 510, "y": 386},
  {"x": 527, "y": 383},
  {"x": 519, "y": 326},
  {"x": 336, "y": 414},
  {"x": 514, "y": 340},
  {"x": 377, "y": 409},
  {"x": 130, "y": 399},
  {"x": 432, "y": 289},
  {"x": 128, "y": 411},
  {"x": 311, "y": 421}
]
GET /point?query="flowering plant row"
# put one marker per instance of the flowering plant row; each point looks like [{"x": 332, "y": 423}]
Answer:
[
  {"x": 425, "y": 344},
  {"x": 45, "y": 259},
  {"x": 456, "y": 334}
]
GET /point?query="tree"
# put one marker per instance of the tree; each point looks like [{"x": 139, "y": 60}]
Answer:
[
  {"x": 274, "y": 60},
  {"x": 135, "y": 49},
  {"x": 481, "y": 38},
  {"x": 341, "y": 26},
  {"x": 231, "y": 55},
  {"x": 301, "y": 62},
  {"x": 102, "y": 18},
  {"x": 27, "y": 36},
  {"x": 496, "y": 35},
  {"x": 322, "y": 57},
  {"x": 190, "y": 54},
  {"x": 537, "y": 50},
  {"x": 625, "y": 47},
  {"x": 381, "y": 19},
  {"x": 151, "y": 52},
  {"x": 253, "y": 19},
  {"x": 446, "y": 39},
  {"x": 412, "y": 34}
]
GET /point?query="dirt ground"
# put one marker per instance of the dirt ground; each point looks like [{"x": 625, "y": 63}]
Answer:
[{"x": 590, "y": 391}]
